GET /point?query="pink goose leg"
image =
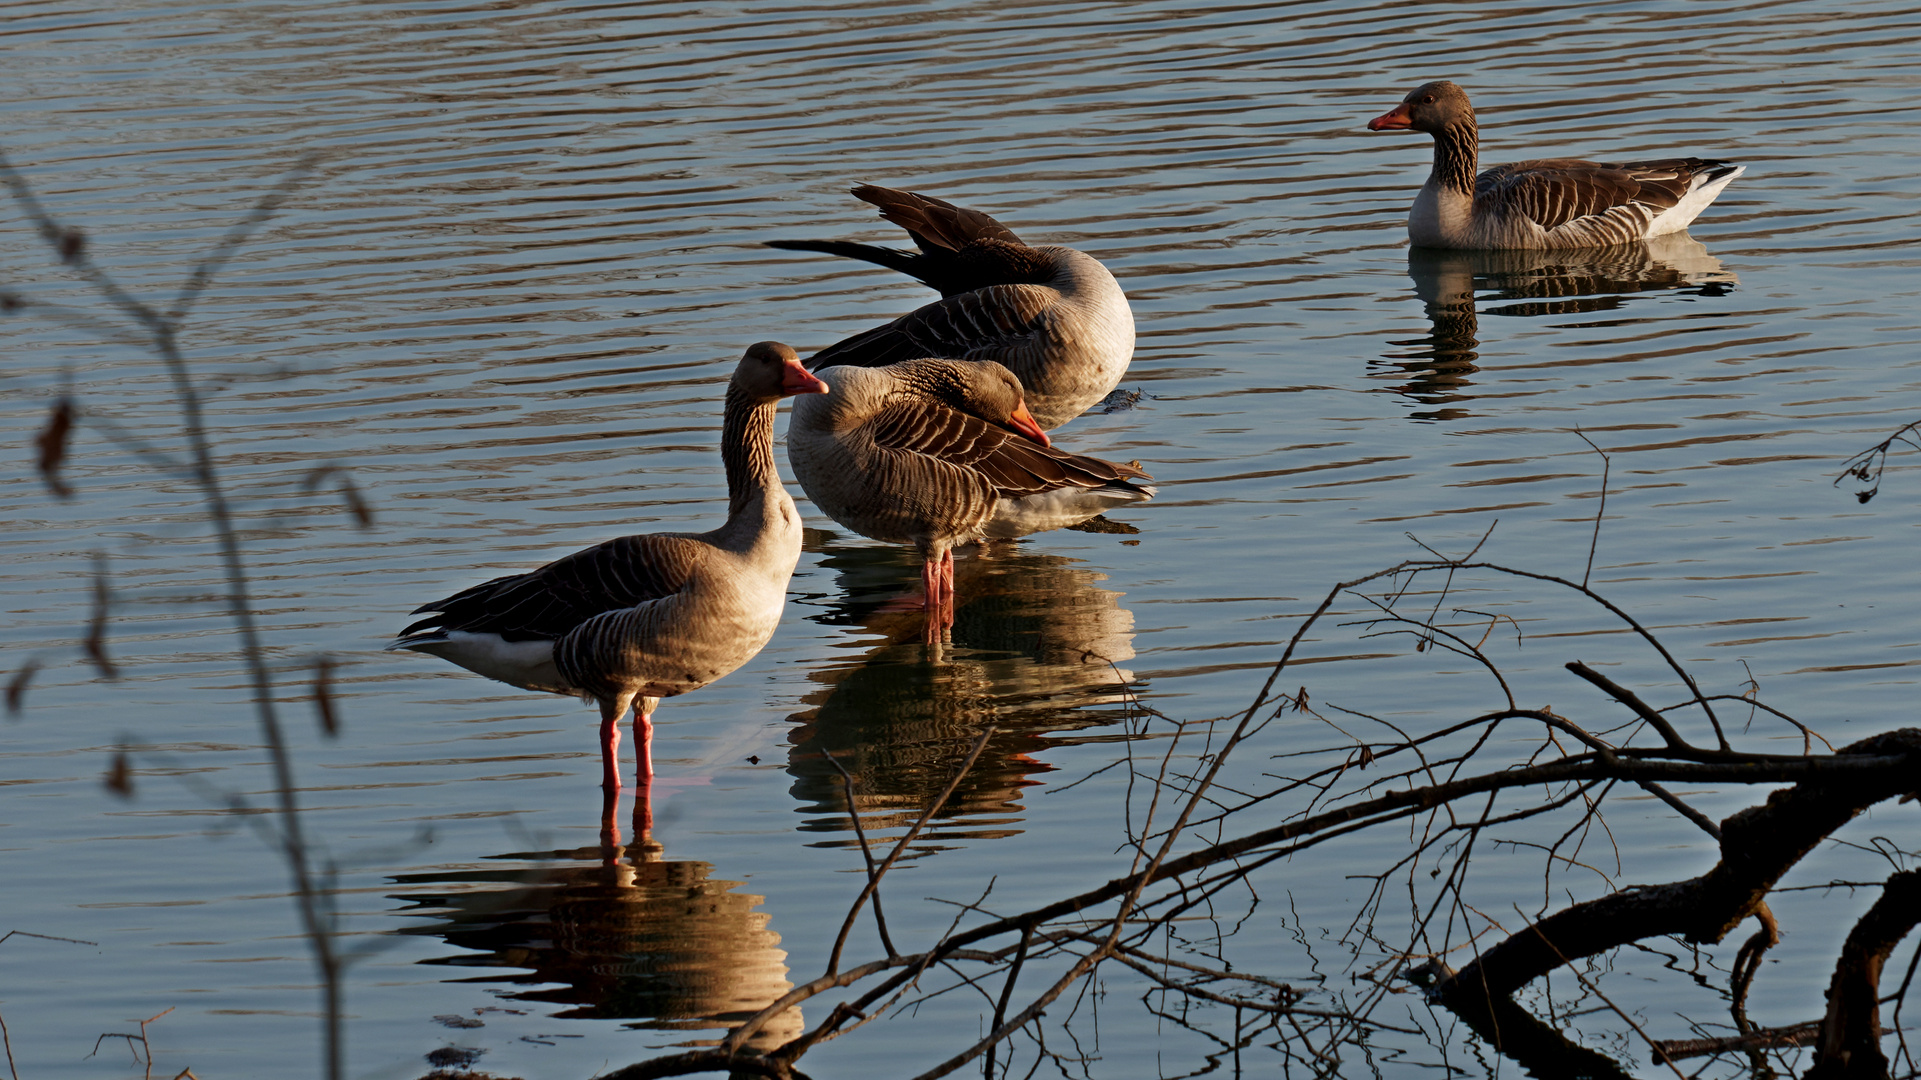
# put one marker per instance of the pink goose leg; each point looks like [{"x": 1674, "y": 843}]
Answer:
[
  {"x": 947, "y": 587},
  {"x": 610, "y": 712},
  {"x": 609, "y": 827},
  {"x": 937, "y": 583},
  {"x": 643, "y": 774},
  {"x": 644, "y": 752}
]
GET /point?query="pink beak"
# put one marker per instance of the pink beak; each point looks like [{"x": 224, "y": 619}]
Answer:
[
  {"x": 1023, "y": 422},
  {"x": 1394, "y": 120},
  {"x": 795, "y": 379}
]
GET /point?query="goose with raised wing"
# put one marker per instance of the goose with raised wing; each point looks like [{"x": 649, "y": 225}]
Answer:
[
  {"x": 641, "y": 618},
  {"x": 1052, "y": 315},
  {"x": 1550, "y": 203},
  {"x": 938, "y": 453}
]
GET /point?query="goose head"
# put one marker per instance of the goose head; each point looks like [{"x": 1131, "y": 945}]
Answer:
[
  {"x": 1430, "y": 107},
  {"x": 979, "y": 388},
  {"x": 771, "y": 370}
]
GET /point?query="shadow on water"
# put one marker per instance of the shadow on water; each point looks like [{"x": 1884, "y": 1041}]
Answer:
[
  {"x": 1458, "y": 287},
  {"x": 613, "y": 932},
  {"x": 1037, "y": 649}
]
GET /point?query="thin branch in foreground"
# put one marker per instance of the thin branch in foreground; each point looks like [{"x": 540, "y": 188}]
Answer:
[
  {"x": 160, "y": 336},
  {"x": 866, "y": 850},
  {"x": 1659, "y": 1057},
  {"x": 873, "y": 882},
  {"x": 1868, "y": 465},
  {"x": 237, "y": 234},
  {"x": 95, "y": 643},
  {"x": 323, "y": 696},
  {"x": 1794, "y": 1035},
  {"x": 1607, "y": 466}
]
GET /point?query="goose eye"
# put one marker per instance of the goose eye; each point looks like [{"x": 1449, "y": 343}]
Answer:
[{"x": 1428, "y": 100}]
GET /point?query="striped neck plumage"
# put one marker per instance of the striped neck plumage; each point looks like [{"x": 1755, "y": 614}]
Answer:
[
  {"x": 1455, "y": 150},
  {"x": 747, "y": 448}
]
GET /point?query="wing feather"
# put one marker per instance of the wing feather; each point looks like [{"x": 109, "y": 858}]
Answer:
[
  {"x": 981, "y": 325},
  {"x": 934, "y": 223},
  {"x": 553, "y": 600},
  {"x": 1011, "y": 464},
  {"x": 1556, "y": 191}
]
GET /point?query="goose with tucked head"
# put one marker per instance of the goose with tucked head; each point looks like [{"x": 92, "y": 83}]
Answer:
[{"x": 937, "y": 453}]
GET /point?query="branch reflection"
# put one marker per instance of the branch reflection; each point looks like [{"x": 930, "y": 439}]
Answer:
[
  {"x": 1457, "y": 287},
  {"x": 1037, "y": 648},
  {"x": 614, "y": 932}
]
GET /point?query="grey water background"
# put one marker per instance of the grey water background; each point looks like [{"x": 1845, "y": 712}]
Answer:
[{"x": 508, "y": 299}]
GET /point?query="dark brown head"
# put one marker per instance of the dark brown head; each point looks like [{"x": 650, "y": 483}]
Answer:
[
  {"x": 1431, "y": 107},
  {"x": 772, "y": 370},
  {"x": 979, "y": 388}
]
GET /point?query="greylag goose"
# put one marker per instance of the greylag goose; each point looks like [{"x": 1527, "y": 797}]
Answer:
[
  {"x": 1552, "y": 203},
  {"x": 640, "y": 618},
  {"x": 1054, "y": 316},
  {"x": 935, "y": 453}
]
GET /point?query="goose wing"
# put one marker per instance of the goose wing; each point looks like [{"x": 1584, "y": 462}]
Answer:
[
  {"x": 1552, "y": 193},
  {"x": 934, "y": 223},
  {"x": 1557, "y": 191},
  {"x": 553, "y": 600},
  {"x": 1010, "y": 464},
  {"x": 985, "y": 324}
]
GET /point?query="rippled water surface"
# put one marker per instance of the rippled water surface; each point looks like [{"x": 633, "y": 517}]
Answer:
[{"x": 506, "y": 301}]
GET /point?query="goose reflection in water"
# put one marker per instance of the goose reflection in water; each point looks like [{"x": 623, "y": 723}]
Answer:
[
  {"x": 613, "y": 932},
  {"x": 1457, "y": 287},
  {"x": 1037, "y": 649}
]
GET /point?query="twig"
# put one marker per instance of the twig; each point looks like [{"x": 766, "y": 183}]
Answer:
[
  {"x": 866, "y": 852},
  {"x": 1607, "y": 464},
  {"x": 46, "y": 937},
  {"x": 1747, "y": 963},
  {"x": 873, "y": 882},
  {"x": 217, "y": 256},
  {"x": 1868, "y": 465},
  {"x": 1596, "y": 991},
  {"x": 162, "y": 330},
  {"x": 1007, "y": 991},
  {"x": 1627, "y": 697},
  {"x": 1760, "y": 1039},
  {"x": 95, "y": 644},
  {"x": 7, "y": 1039}
]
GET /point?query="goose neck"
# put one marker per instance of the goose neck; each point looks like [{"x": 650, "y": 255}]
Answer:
[
  {"x": 1456, "y": 148},
  {"x": 747, "y": 449}
]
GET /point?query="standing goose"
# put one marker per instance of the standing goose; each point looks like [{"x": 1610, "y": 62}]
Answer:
[
  {"x": 640, "y": 618},
  {"x": 935, "y": 453},
  {"x": 1552, "y": 203},
  {"x": 1054, "y": 316}
]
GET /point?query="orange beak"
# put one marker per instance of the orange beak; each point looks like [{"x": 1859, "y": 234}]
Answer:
[
  {"x": 795, "y": 379},
  {"x": 1395, "y": 120},
  {"x": 1022, "y": 421}
]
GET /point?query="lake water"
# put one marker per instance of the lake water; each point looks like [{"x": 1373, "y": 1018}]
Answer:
[{"x": 505, "y": 304}]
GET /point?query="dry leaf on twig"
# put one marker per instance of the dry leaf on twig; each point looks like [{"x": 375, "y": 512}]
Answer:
[{"x": 51, "y": 444}]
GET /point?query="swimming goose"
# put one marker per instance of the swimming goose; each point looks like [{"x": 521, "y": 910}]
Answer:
[
  {"x": 641, "y": 618},
  {"x": 1552, "y": 203},
  {"x": 1054, "y": 316},
  {"x": 935, "y": 453}
]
